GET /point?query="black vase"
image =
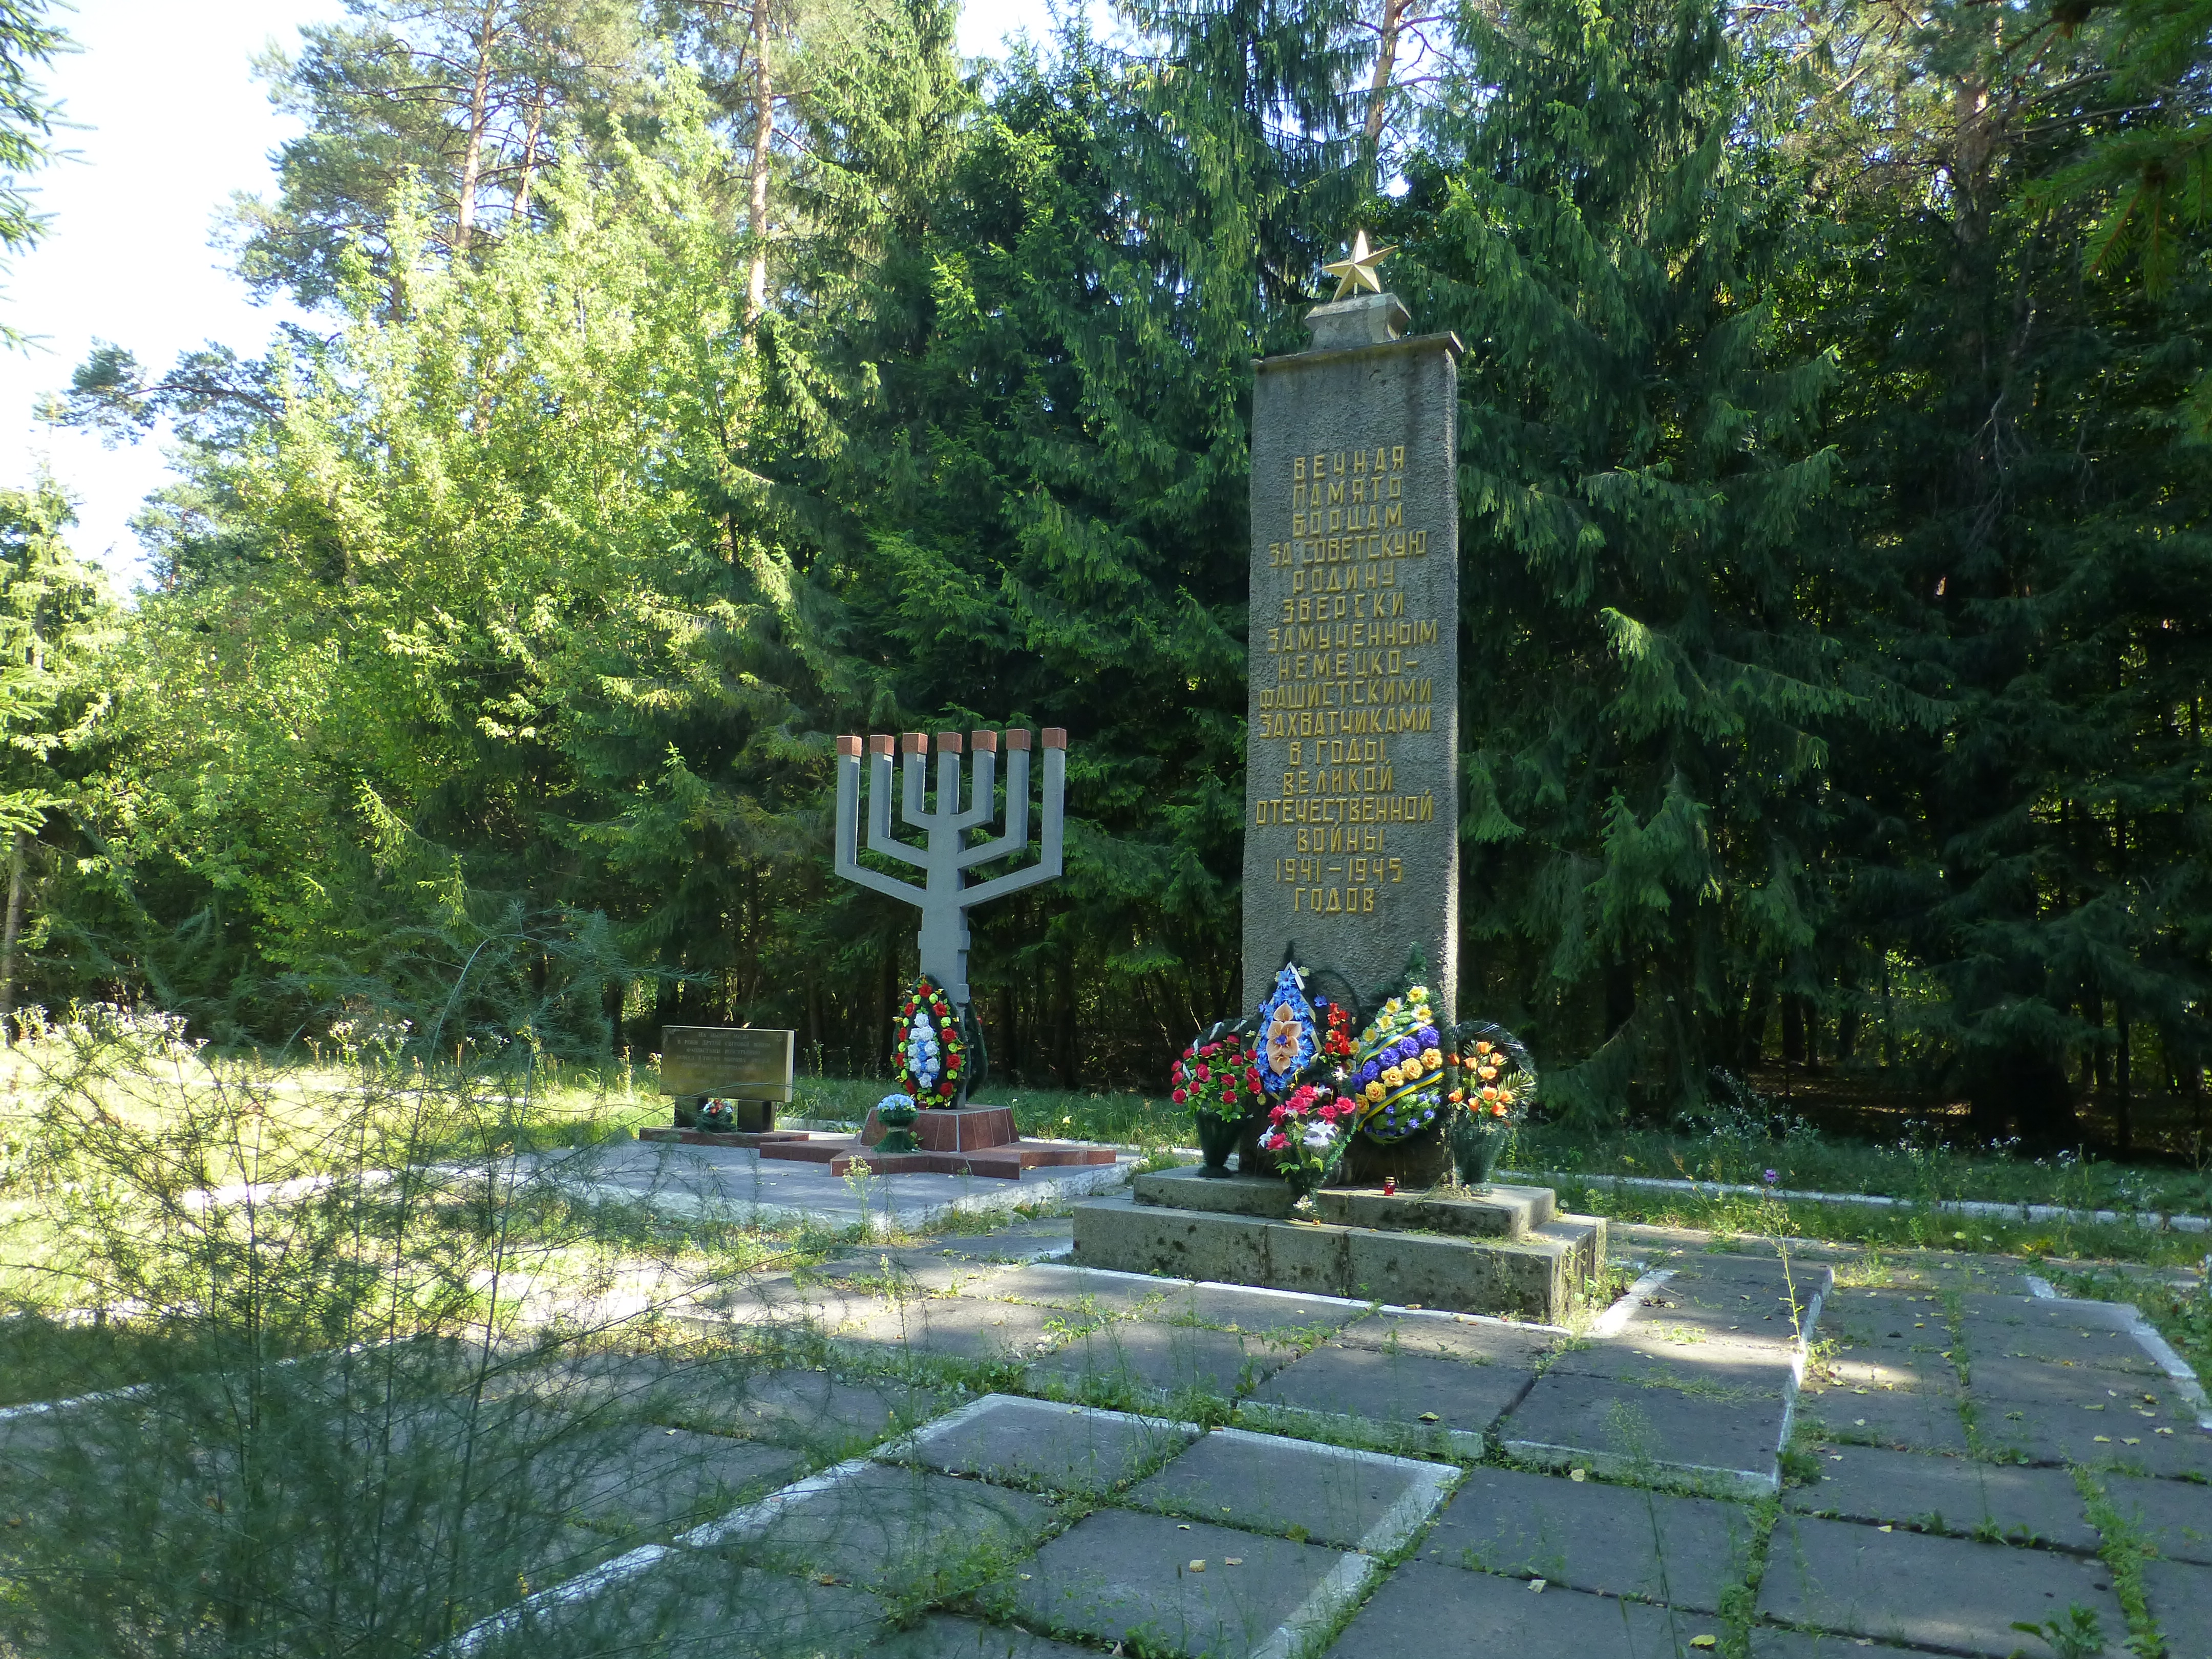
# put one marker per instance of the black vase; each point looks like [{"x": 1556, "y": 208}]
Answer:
[
  {"x": 1475, "y": 1148},
  {"x": 1217, "y": 1137}
]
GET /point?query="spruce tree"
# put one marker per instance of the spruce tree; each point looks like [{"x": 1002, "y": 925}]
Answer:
[{"x": 1646, "y": 699}]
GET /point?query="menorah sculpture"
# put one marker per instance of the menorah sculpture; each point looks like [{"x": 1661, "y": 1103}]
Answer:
[
  {"x": 944, "y": 898},
  {"x": 957, "y": 1137}
]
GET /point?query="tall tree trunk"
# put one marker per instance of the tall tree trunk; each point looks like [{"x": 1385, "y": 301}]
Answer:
[
  {"x": 529, "y": 160},
  {"x": 465, "y": 217},
  {"x": 763, "y": 134},
  {"x": 2123, "y": 1127},
  {"x": 9, "y": 936},
  {"x": 1388, "y": 27}
]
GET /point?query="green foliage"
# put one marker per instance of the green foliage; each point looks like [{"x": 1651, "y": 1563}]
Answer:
[
  {"x": 29, "y": 41},
  {"x": 466, "y": 103},
  {"x": 1834, "y": 521}
]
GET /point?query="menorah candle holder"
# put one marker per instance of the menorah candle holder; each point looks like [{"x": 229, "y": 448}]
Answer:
[{"x": 944, "y": 896}]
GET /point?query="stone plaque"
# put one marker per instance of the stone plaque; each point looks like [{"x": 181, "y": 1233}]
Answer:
[
  {"x": 1351, "y": 795},
  {"x": 733, "y": 1062}
]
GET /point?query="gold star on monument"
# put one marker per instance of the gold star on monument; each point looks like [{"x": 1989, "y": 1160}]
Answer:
[{"x": 1356, "y": 269}]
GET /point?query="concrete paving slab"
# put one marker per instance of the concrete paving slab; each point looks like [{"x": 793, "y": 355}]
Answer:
[
  {"x": 906, "y": 1274},
  {"x": 1065, "y": 1285},
  {"x": 686, "y": 1606},
  {"x": 735, "y": 1181},
  {"x": 959, "y": 1327},
  {"x": 2029, "y": 1327},
  {"x": 2049, "y": 1383},
  {"x": 1953, "y": 1495},
  {"x": 1234, "y": 1310},
  {"x": 893, "y": 1527},
  {"x": 1043, "y": 1443},
  {"x": 1450, "y": 1336},
  {"x": 1449, "y": 1614},
  {"x": 1381, "y": 1387},
  {"x": 2180, "y": 1600},
  {"x": 1762, "y": 1267},
  {"x": 1136, "y": 1362},
  {"x": 943, "y": 1637},
  {"x": 1772, "y": 1303},
  {"x": 1742, "y": 1324},
  {"x": 1885, "y": 1368},
  {"x": 1313, "y": 1493},
  {"x": 657, "y": 1479},
  {"x": 2072, "y": 1434},
  {"x": 827, "y": 1417},
  {"x": 779, "y": 1300},
  {"x": 1608, "y": 1539},
  {"x": 1022, "y": 1241},
  {"x": 1908, "y": 1588},
  {"x": 1726, "y": 1439},
  {"x": 1818, "y": 1645},
  {"x": 1117, "y": 1575},
  {"x": 2174, "y": 1516},
  {"x": 1653, "y": 1359},
  {"x": 2045, "y": 1313},
  {"x": 1859, "y": 1319},
  {"x": 1908, "y": 1419}
]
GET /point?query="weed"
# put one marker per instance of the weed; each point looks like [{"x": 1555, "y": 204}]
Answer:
[{"x": 2079, "y": 1635}]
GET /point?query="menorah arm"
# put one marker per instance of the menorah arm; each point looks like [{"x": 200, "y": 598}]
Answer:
[
  {"x": 848, "y": 864},
  {"x": 1018, "y": 816},
  {"x": 880, "y": 839},
  {"x": 1048, "y": 853},
  {"x": 982, "y": 775}
]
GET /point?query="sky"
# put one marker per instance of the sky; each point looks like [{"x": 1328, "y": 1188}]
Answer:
[{"x": 169, "y": 123}]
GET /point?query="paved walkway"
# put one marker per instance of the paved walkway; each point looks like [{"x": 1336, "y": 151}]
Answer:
[
  {"x": 934, "y": 1454},
  {"x": 738, "y": 1182}
]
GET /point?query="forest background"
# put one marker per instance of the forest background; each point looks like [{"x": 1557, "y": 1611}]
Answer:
[{"x": 700, "y": 379}]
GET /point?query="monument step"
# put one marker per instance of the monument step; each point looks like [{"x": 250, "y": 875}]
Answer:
[
  {"x": 1540, "y": 1277},
  {"x": 1493, "y": 1211},
  {"x": 1191, "y": 1188}
]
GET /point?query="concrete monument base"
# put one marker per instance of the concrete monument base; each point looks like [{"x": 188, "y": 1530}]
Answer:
[{"x": 1538, "y": 1276}]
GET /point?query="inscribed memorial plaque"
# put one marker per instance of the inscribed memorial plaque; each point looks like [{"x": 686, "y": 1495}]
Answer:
[
  {"x": 1352, "y": 798},
  {"x": 734, "y": 1062}
]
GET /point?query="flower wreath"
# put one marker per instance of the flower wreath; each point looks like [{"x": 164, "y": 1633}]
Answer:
[
  {"x": 1400, "y": 1080},
  {"x": 1492, "y": 1075},
  {"x": 933, "y": 1055},
  {"x": 1289, "y": 1040},
  {"x": 1217, "y": 1074}
]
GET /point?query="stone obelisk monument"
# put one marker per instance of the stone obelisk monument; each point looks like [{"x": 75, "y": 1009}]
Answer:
[{"x": 1351, "y": 793}]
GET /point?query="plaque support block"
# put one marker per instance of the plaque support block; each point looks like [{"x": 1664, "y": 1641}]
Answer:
[
  {"x": 1482, "y": 1212},
  {"x": 1539, "y": 1276}
]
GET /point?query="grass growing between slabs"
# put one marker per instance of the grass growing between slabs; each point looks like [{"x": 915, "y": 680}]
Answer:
[
  {"x": 1730, "y": 1214},
  {"x": 1737, "y": 1146}
]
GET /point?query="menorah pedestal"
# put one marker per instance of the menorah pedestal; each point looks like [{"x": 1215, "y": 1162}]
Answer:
[{"x": 977, "y": 1140}]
